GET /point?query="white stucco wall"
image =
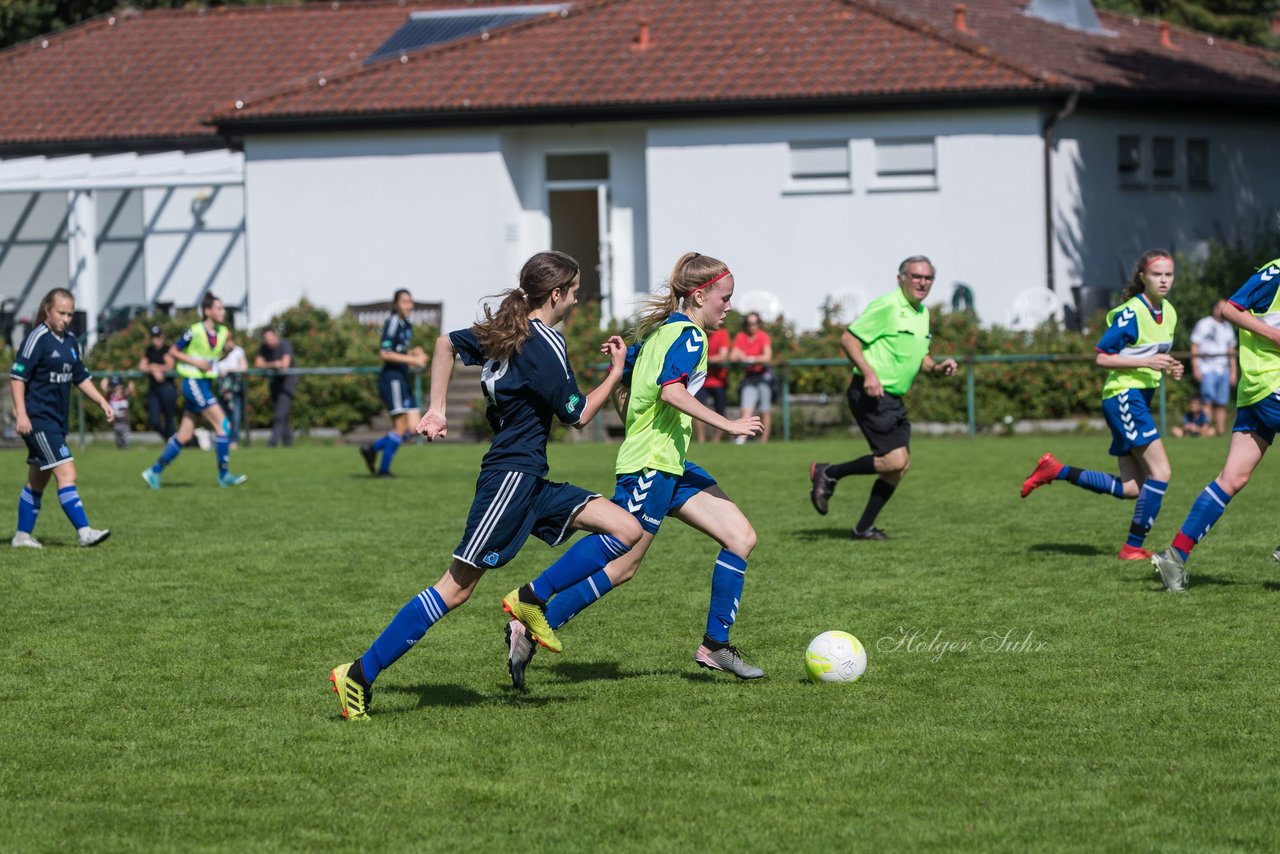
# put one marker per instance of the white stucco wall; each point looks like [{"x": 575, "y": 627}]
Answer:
[
  {"x": 1104, "y": 224},
  {"x": 722, "y": 188}
]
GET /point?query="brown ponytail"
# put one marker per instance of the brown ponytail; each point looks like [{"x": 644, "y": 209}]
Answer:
[{"x": 503, "y": 333}]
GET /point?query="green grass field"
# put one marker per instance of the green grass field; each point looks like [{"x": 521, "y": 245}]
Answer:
[{"x": 168, "y": 690}]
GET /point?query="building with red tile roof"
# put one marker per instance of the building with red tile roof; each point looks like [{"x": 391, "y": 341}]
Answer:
[{"x": 1033, "y": 148}]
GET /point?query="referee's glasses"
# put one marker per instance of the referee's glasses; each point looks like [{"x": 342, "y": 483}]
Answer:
[{"x": 918, "y": 277}]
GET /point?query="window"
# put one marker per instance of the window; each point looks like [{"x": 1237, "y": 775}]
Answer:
[
  {"x": 1163, "y": 157},
  {"x": 1129, "y": 158},
  {"x": 578, "y": 167},
  {"x": 819, "y": 167},
  {"x": 1198, "y": 162},
  {"x": 906, "y": 164}
]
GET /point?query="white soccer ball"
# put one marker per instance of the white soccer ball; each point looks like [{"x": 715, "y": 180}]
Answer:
[{"x": 835, "y": 657}]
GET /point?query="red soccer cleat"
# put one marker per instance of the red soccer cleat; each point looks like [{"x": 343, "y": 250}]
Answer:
[
  {"x": 1045, "y": 472},
  {"x": 1128, "y": 552}
]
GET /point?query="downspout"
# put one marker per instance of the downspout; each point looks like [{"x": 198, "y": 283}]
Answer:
[{"x": 1068, "y": 108}]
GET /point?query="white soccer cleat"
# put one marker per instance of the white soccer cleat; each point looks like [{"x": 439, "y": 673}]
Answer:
[
  {"x": 23, "y": 540},
  {"x": 92, "y": 536}
]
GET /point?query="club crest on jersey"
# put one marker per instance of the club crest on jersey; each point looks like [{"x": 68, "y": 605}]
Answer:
[
  {"x": 572, "y": 404},
  {"x": 17, "y": 369}
]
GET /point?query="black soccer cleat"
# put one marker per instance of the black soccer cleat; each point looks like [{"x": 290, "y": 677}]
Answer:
[
  {"x": 370, "y": 458},
  {"x": 872, "y": 533}
]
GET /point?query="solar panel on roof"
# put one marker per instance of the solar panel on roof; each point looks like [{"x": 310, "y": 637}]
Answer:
[{"x": 424, "y": 29}]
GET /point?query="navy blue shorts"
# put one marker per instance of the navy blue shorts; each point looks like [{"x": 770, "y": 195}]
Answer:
[
  {"x": 1129, "y": 416},
  {"x": 397, "y": 393},
  {"x": 511, "y": 505},
  {"x": 651, "y": 495},
  {"x": 1262, "y": 417},
  {"x": 47, "y": 447},
  {"x": 198, "y": 394}
]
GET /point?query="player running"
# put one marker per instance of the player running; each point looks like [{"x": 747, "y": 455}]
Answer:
[
  {"x": 1135, "y": 350},
  {"x": 197, "y": 353},
  {"x": 47, "y": 365},
  {"x": 1255, "y": 309},
  {"x": 655, "y": 479},
  {"x": 394, "y": 384},
  {"x": 526, "y": 379}
]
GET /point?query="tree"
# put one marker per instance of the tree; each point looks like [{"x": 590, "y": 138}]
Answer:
[{"x": 1248, "y": 21}]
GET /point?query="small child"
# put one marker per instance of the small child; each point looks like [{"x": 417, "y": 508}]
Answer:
[
  {"x": 1195, "y": 421},
  {"x": 118, "y": 396}
]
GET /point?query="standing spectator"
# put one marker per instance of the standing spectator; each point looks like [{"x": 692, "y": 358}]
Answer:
[
  {"x": 231, "y": 368},
  {"x": 276, "y": 354},
  {"x": 888, "y": 346},
  {"x": 1213, "y": 363},
  {"x": 118, "y": 395},
  {"x": 162, "y": 394},
  {"x": 753, "y": 346},
  {"x": 713, "y": 393}
]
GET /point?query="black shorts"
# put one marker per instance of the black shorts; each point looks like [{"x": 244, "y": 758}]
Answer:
[
  {"x": 883, "y": 420},
  {"x": 715, "y": 398}
]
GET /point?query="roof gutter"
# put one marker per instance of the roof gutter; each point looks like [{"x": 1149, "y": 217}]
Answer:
[{"x": 1073, "y": 100}]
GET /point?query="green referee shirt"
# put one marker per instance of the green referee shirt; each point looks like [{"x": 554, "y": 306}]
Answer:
[{"x": 895, "y": 340}]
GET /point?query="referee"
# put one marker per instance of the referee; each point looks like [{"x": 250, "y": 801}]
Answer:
[{"x": 888, "y": 346}]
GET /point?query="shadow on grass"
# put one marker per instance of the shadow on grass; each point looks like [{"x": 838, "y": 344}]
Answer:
[
  {"x": 588, "y": 671},
  {"x": 832, "y": 533},
  {"x": 1273, "y": 586},
  {"x": 1077, "y": 549}
]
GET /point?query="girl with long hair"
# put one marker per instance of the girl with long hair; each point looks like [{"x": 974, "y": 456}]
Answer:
[
  {"x": 394, "y": 384},
  {"x": 1135, "y": 351},
  {"x": 47, "y": 364},
  {"x": 527, "y": 380},
  {"x": 1255, "y": 309},
  {"x": 655, "y": 479},
  {"x": 197, "y": 353}
]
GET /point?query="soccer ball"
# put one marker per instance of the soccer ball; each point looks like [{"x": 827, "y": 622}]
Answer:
[{"x": 835, "y": 657}]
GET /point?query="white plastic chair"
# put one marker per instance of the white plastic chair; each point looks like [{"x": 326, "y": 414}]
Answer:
[
  {"x": 763, "y": 303},
  {"x": 1032, "y": 307}
]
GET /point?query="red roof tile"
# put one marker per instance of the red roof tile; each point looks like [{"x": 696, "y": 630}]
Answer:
[
  {"x": 700, "y": 53},
  {"x": 158, "y": 77}
]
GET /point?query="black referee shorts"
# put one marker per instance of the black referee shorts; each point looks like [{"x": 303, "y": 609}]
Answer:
[{"x": 883, "y": 420}]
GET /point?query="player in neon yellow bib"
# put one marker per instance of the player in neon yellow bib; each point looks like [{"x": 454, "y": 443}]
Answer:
[
  {"x": 1135, "y": 351},
  {"x": 197, "y": 353},
  {"x": 1255, "y": 309},
  {"x": 655, "y": 479}
]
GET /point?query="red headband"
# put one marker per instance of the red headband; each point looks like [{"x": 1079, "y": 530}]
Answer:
[
  {"x": 710, "y": 283},
  {"x": 1151, "y": 261}
]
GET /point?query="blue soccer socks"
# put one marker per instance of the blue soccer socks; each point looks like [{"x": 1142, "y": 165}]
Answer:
[
  {"x": 578, "y": 563},
  {"x": 405, "y": 629},
  {"x": 727, "y": 580},
  {"x": 1205, "y": 512},
  {"x": 567, "y": 605},
  {"x": 170, "y": 453},
  {"x": 28, "y": 509},
  {"x": 222, "y": 446},
  {"x": 1094, "y": 481},
  {"x": 1145, "y": 511},
  {"x": 387, "y": 445},
  {"x": 73, "y": 506}
]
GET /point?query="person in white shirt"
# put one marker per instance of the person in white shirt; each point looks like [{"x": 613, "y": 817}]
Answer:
[{"x": 1214, "y": 364}]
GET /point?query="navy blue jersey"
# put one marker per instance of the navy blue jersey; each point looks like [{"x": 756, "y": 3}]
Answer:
[
  {"x": 397, "y": 336},
  {"x": 522, "y": 394},
  {"x": 49, "y": 365}
]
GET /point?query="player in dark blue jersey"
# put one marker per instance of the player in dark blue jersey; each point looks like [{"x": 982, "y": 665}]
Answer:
[
  {"x": 47, "y": 365},
  {"x": 527, "y": 383},
  {"x": 396, "y": 385}
]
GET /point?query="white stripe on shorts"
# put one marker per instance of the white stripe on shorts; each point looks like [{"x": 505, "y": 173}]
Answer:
[{"x": 492, "y": 516}]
